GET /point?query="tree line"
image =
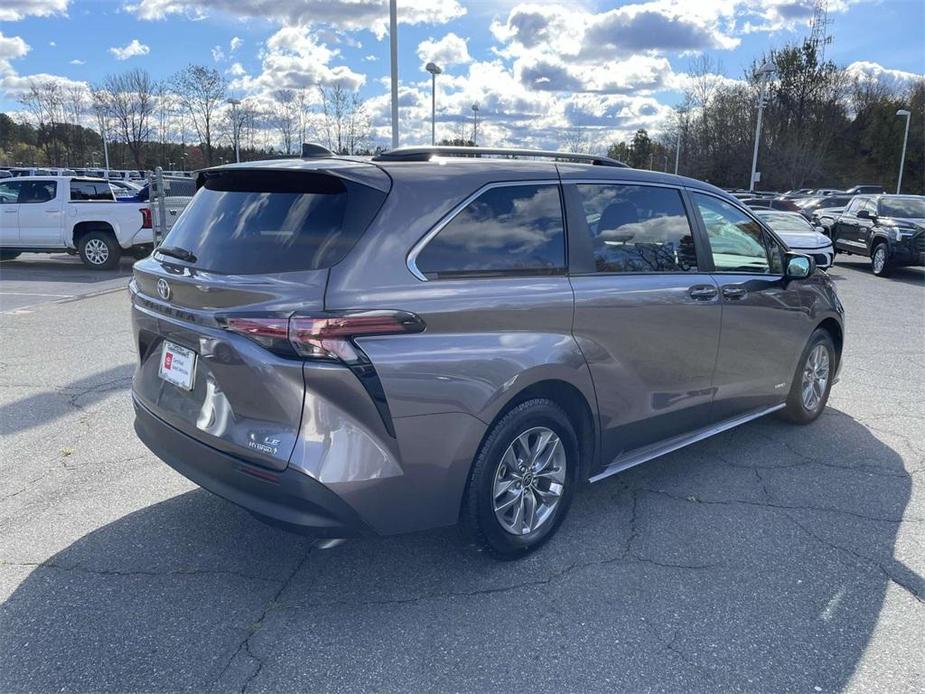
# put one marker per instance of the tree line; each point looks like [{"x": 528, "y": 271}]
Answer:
[
  {"x": 823, "y": 127},
  {"x": 185, "y": 122}
]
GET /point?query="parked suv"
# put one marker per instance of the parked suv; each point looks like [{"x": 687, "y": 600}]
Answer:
[
  {"x": 437, "y": 335},
  {"x": 888, "y": 229}
]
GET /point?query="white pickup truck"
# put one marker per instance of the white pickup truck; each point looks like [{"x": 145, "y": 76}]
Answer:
[{"x": 54, "y": 214}]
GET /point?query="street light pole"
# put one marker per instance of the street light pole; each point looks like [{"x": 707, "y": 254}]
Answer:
[
  {"x": 764, "y": 74},
  {"x": 434, "y": 70},
  {"x": 475, "y": 124},
  {"x": 234, "y": 128},
  {"x": 902, "y": 159},
  {"x": 677, "y": 154},
  {"x": 393, "y": 49}
]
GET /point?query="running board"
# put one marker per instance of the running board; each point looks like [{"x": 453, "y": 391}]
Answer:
[{"x": 647, "y": 453}]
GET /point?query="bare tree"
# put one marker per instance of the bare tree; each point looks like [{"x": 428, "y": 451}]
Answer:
[
  {"x": 202, "y": 90},
  {"x": 286, "y": 116},
  {"x": 130, "y": 102},
  {"x": 44, "y": 104},
  {"x": 345, "y": 125}
]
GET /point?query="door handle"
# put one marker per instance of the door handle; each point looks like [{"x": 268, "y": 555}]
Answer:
[
  {"x": 731, "y": 291},
  {"x": 703, "y": 292}
]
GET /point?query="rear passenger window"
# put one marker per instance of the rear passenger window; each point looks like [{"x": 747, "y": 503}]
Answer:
[
  {"x": 637, "y": 228},
  {"x": 507, "y": 230},
  {"x": 33, "y": 192}
]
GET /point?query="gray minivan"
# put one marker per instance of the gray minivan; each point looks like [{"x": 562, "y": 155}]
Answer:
[{"x": 441, "y": 335}]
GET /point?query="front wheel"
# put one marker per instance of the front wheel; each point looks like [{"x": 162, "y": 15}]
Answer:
[
  {"x": 99, "y": 250},
  {"x": 880, "y": 260},
  {"x": 812, "y": 382},
  {"x": 522, "y": 480}
]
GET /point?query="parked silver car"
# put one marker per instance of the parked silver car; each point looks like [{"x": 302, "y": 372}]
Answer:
[{"x": 441, "y": 335}]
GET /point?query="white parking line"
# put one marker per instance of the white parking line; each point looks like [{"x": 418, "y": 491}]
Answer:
[{"x": 60, "y": 296}]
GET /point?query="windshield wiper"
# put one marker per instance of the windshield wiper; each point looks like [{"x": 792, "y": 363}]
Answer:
[{"x": 177, "y": 252}]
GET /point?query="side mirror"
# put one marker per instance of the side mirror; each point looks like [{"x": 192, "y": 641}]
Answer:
[
  {"x": 865, "y": 214},
  {"x": 799, "y": 266}
]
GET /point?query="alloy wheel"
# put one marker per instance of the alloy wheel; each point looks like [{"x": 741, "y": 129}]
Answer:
[
  {"x": 96, "y": 251},
  {"x": 529, "y": 481},
  {"x": 879, "y": 259},
  {"x": 815, "y": 377}
]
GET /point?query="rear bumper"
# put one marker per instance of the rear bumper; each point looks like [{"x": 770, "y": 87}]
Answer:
[{"x": 288, "y": 499}]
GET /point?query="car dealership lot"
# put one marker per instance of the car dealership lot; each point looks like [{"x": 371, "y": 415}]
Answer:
[{"x": 770, "y": 558}]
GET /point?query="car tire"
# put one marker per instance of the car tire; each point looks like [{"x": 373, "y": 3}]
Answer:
[
  {"x": 9, "y": 255},
  {"x": 99, "y": 250},
  {"x": 808, "y": 394},
  {"x": 500, "y": 491},
  {"x": 880, "y": 259}
]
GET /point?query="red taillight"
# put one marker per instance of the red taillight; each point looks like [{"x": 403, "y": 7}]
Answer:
[
  {"x": 325, "y": 336},
  {"x": 146, "y": 218}
]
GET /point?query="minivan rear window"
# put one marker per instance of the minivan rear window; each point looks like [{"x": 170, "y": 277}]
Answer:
[{"x": 254, "y": 222}]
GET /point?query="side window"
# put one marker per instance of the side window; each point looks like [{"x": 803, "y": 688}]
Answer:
[
  {"x": 37, "y": 191},
  {"x": 737, "y": 241},
  {"x": 854, "y": 206},
  {"x": 871, "y": 206},
  {"x": 637, "y": 228},
  {"x": 506, "y": 230},
  {"x": 9, "y": 192},
  {"x": 91, "y": 190}
]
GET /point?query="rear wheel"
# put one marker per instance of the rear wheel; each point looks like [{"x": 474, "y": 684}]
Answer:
[
  {"x": 880, "y": 260},
  {"x": 8, "y": 255},
  {"x": 522, "y": 480},
  {"x": 812, "y": 382},
  {"x": 99, "y": 250}
]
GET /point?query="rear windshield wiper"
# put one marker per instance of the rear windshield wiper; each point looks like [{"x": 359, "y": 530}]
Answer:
[{"x": 177, "y": 252}]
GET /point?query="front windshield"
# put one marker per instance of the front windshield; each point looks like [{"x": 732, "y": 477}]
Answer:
[{"x": 909, "y": 208}]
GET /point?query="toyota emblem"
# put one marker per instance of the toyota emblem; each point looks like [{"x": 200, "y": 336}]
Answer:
[{"x": 163, "y": 289}]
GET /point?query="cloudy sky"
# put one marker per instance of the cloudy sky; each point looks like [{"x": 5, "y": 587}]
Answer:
[{"x": 535, "y": 69}]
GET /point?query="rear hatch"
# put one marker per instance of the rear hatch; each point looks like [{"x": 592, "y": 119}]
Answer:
[{"x": 212, "y": 306}]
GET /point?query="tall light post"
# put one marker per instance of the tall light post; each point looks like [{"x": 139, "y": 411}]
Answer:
[
  {"x": 234, "y": 127},
  {"x": 764, "y": 75},
  {"x": 475, "y": 124},
  {"x": 677, "y": 154},
  {"x": 434, "y": 70},
  {"x": 393, "y": 52},
  {"x": 902, "y": 160}
]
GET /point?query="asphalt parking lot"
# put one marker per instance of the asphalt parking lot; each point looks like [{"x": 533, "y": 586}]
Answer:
[
  {"x": 34, "y": 279},
  {"x": 771, "y": 558}
]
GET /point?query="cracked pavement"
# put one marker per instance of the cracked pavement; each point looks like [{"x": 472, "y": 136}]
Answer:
[{"x": 771, "y": 558}]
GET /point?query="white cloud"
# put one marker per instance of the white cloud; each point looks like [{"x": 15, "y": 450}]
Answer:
[
  {"x": 344, "y": 14},
  {"x": 15, "y": 10},
  {"x": 235, "y": 43},
  {"x": 218, "y": 55},
  {"x": 449, "y": 50},
  {"x": 292, "y": 58},
  {"x": 78, "y": 61},
  {"x": 132, "y": 49},
  {"x": 11, "y": 47},
  {"x": 866, "y": 70},
  {"x": 52, "y": 44},
  {"x": 371, "y": 58},
  {"x": 237, "y": 70}
]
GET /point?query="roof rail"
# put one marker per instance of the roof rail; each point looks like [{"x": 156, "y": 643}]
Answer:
[
  {"x": 426, "y": 153},
  {"x": 312, "y": 151}
]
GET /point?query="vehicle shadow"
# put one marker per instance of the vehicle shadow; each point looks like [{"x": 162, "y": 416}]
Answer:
[
  {"x": 33, "y": 267},
  {"x": 757, "y": 561},
  {"x": 47, "y": 406},
  {"x": 902, "y": 275}
]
